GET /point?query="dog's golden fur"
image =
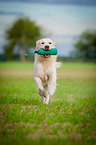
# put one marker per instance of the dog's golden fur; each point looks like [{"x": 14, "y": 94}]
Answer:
[{"x": 45, "y": 70}]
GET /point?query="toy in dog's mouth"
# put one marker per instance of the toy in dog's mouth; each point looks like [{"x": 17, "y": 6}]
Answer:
[{"x": 46, "y": 53}]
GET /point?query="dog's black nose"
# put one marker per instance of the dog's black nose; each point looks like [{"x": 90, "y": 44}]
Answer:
[{"x": 46, "y": 47}]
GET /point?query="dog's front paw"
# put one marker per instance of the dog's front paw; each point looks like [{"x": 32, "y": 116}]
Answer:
[
  {"x": 42, "y": 92},
  {"x": 45, "y": 100},
  {"x": 51, "y": 90}
]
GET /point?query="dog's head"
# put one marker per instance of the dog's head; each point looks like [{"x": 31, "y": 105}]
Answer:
[{"x": 46, "y": 44}]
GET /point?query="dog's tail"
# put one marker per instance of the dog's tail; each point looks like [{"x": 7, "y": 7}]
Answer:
[{"x": 58, "y": 64}]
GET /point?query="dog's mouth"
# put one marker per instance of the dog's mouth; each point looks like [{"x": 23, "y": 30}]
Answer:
[{"x": 46, "y": 56}]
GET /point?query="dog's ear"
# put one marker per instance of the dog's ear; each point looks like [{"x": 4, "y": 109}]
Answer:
[
  {"x": 37, "y": 44},
  {"x": 54, "y": 44}
]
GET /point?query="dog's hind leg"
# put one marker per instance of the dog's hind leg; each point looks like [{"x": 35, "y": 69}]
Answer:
[{"x": 52, "y": 84}]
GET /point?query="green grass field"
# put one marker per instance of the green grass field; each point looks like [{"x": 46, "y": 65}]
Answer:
[{"x": 68, "y": 119}]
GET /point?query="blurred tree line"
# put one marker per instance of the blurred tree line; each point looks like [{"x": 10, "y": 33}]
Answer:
[
  {"x": 86, "y": 45},
  {"x": 24, "y": 33}
]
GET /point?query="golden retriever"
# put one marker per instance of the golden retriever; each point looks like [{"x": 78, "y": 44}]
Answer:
[{"x": 45, "y": 70}]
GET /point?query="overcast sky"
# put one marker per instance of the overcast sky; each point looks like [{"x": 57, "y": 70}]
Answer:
[{"x": 80, "y": 2}]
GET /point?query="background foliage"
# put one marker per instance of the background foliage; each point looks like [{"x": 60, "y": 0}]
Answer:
[
  {"x": 22, "y": 35},
  {"x": 86, "y": 45}
]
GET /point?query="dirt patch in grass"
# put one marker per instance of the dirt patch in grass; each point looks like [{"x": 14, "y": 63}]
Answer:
[
  {"x": 22, "y": 73},
  {"x": 77, "y": 73},
  {"x": 55, "y": 131},
  {"x": 61, "y": 73}
]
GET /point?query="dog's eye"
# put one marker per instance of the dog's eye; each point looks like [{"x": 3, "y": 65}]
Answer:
[
  {"x": 49, "y": 42},
  {"x": 42, "y": 43}
]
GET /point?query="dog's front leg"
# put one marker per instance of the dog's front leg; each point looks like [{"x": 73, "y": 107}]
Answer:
[
  {"x": 52, "y": 84},
  {"x": 41, "y": 90},
  {"x": 40, "y": 87}
]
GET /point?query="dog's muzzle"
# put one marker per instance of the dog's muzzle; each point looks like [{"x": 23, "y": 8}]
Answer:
[{"x": 46, "y": 47}]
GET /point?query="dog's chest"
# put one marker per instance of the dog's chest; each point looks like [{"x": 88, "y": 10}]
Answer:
[
  {"x": 43, "y": 71},
  {"x": 46, "y": 73},
  {"x": 45, "y": 78}
]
